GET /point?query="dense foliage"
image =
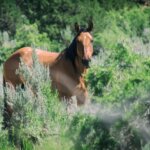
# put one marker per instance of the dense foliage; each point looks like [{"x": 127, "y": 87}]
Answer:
[{"x": 118, "y": 80}]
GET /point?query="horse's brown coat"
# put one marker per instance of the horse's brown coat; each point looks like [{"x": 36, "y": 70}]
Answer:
[
  {"x": 67, "y": 68},
  {"x": 12, "y": 63}
]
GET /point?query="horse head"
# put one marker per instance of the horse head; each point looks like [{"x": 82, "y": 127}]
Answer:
[
  {"x": 80, "y": 50},
  {"x": 84, "y": 46}
]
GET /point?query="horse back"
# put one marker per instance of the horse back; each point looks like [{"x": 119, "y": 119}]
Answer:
[{"x": 25, "y": 54}]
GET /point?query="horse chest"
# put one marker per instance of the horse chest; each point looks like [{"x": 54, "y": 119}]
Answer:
[{"x": 63, "y": 80}]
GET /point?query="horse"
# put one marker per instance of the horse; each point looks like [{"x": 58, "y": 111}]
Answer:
[{"x": 67, "y": 68}]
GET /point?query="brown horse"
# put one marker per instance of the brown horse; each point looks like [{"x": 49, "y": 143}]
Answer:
[{"x": 66, "y": 68}]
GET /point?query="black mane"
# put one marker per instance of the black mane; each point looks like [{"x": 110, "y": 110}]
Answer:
[{"x": 71, "y": 51}]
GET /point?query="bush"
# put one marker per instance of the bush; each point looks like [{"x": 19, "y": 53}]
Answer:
[
  {"x": 127, "y": 137},
  {"x": 28, "y": 35},
  {"x": 98, "y": 79},
  {"x": 37, "y": 110},
  {"x": 91, "y": 133},
  {"x": 7, "y": 46}
]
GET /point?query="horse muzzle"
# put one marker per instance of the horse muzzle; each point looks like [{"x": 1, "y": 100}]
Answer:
[{"x": 86, "y": 62}]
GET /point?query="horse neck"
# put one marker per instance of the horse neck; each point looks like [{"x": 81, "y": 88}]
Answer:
[
  {"x": 73, "y": 69},
  {"x": 79, "y": 67},
  {"x": 70, "y": 53}
]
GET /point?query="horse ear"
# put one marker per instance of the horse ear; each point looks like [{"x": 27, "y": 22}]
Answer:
[
  {"x": 90, "y": 26},
  {"x": 77, "y": 27}
]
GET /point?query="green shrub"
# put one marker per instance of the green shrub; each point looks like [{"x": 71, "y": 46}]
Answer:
[
  {"x": 28, "y": 35},
  {"x": 7, "y": 46},
  {"x": 98, "y": 78},
  {"x": 37, "y": 110},
  {"x": 146, "y": 147},
  {"x": 4, "y": 143},
  {"x": 121, "y": 26},
  {"x": 4, "y": 54},
  {"x": 91, "y": 133},
  {"x": 126, "y": 135}
]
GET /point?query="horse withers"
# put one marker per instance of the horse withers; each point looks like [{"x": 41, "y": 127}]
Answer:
[{"x": 67, "y": 68}]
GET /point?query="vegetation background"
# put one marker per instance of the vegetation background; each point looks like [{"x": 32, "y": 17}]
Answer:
[{"x": 118, "y": 117}]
